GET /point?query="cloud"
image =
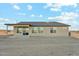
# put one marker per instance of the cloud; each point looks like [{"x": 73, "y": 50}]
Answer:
[
  {"x": 2, "y": 26},
  {"x": 29, "y": 7},
  {"x": 53, "y": 6},
  {"x": 22, "y": 14},
  {"x": 48, "y": 5},
  {"x": 32, "y": 15},
  {"x": 67, "y": 16},
  {"x": 68, "y": 4},
  {"x": 57, "y": 6},
  {"x": 2, "y": 22},
  {"x": 55, "y": 9},
  {"x": 50, "y": 18},
  {"x": 3, "y": 19},
  {"x": 70, "y": 18},
  {"x": 40, "y": 15},
  {"x": 6, "y": 20},
  {"x": 16, "y": 7}
]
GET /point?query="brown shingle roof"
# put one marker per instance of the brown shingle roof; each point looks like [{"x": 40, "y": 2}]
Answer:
[{"x": 40, "y": 24}]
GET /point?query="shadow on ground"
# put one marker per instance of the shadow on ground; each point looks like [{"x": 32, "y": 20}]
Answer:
[{"x": 39, "y": 46}]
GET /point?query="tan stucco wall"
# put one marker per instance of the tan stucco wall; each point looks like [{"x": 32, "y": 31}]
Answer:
[{"x": 60, "y": 31}]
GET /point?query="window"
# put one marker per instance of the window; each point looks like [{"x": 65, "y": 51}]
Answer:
[
  {"x": 40, "y": 29},
  {"x": 37, "y": 30},
  {"x": 52, "y": 30},
  {"x": 34, "y": 29}
]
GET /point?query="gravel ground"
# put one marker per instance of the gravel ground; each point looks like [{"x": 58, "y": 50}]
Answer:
[{"x": 39, "y": 46}]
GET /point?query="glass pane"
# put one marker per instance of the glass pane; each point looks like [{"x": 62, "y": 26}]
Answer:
[
  {"x": 35, "y": 28},
  {"x": 41, "y": 28}
]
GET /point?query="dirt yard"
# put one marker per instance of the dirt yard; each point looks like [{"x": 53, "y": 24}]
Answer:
[
  {"x": 39, "y": 46},
  {"x": 4, "y": 32},
  {"x": 75, "y": 34}
]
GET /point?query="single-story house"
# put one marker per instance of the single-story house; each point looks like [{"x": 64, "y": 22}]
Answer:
[{"x": 40, "y": 28}]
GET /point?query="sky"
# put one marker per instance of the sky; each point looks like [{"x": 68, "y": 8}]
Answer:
[{"x": 40, "y": 12}]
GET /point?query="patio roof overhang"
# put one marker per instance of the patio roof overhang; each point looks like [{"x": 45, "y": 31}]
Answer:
[{"x": 18, "y": 24}]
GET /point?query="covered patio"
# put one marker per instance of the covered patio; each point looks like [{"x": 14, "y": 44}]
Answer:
[{"x": 18, "y": 29}]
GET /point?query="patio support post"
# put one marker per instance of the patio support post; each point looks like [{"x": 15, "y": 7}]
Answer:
[{"x": 7, "y": 28}]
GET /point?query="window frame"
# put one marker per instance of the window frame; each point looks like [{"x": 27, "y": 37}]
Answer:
[{"x": 38, "y": 30}]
